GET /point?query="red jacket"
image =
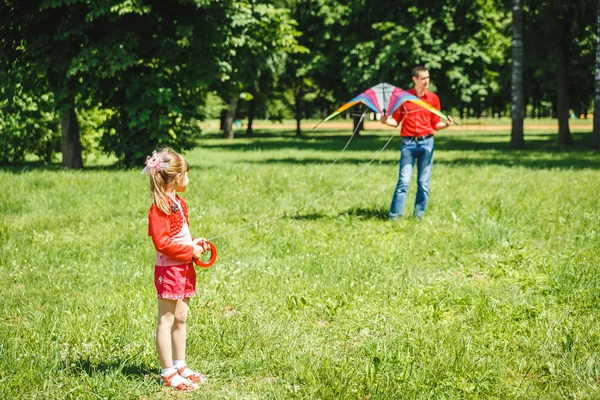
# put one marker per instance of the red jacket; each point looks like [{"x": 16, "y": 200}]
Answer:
[
  {"x": 417, "y": 121},
  {"x": 162, "y": 227}
]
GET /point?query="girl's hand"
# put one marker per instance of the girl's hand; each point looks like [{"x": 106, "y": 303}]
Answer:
[
  {"x": 198, "y": 250},
  {"x": 200, "y": 246},
  {"x": 201, "y": 242}
]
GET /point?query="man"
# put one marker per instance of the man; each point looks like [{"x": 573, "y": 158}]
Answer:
[{"x": 418, "y": 127}]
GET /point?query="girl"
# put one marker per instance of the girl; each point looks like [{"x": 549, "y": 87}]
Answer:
[{"x": 174, "y": 274}]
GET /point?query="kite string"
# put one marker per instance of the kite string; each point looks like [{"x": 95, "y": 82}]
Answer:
[
  {"x": 306, "y": 187},
  {"x": 254, "y": 225},
  {"x": 329, "y": 166},
  {"x": 338, "y": 157}
]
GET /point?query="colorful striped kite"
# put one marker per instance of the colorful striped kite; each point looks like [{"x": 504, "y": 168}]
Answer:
[{"x": 385, "y": 99}]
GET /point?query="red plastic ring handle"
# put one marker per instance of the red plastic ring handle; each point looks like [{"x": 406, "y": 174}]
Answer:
[{"x": 213, "y": 256}]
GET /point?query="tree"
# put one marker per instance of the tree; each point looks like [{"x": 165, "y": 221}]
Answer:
[
  {"x": 259, "y": 33},
  {"x": 300, "y": 65},
  {"x": 28, "y": 123},
  {"x": 463, "y": 43},
  {"x": 516, "y": 137},
  {"x": 157, "y": 61},
  {"x": 150, "y": 62},
  {"x": 42, "y": 41},
  {"x": 266, "y": 87},
  {"x": 596, "y": 134},
  {"x": 562, "y": 88},
  {"x": 316, "y": 77},
  {"x": 559, "y": 50}
]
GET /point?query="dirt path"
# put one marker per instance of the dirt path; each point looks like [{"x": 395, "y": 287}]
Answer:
[{"x": 379, "y": 126}]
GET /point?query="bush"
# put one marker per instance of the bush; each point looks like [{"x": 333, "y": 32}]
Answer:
[{"x": 28, "y": 125}]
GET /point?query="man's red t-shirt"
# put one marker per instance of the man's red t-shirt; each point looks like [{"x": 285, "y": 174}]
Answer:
[{"x": 417, "y": 121}]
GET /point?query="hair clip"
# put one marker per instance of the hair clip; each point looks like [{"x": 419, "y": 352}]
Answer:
[{"x": 157, "y": 162}]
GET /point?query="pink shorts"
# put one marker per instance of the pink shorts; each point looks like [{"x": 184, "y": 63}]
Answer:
[{"x": 175, "y": 282}]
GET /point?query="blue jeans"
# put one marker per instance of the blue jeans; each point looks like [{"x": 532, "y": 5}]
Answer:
[{"x": 422, "y": 152}]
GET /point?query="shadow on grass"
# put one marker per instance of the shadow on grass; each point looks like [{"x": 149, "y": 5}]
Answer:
[
  {"x": 538, "y": 163},
  {"x": 541, "y": 151},
  {"x": 491, "y": 148},
  {"x": 123, "y": 367},
  {"x": 323, "y": 161},
  {"x": 310, "y": 217},
  {"x": 372, "y": 213},
  {"x": 446, "y": 142},
  {"x": 315, "y": 142},
  {"x": 56, "y": 167},
  {"x": 289, "y": 133}
]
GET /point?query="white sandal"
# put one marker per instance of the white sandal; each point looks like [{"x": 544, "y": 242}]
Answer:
[
  {"x": 178, "y": 382},
  {"x": 192, "y": 376}
]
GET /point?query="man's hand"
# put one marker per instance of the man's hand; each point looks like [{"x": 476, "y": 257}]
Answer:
[
  {"x": 444, "y": 124},
  {"x": 388, "y": 120}
]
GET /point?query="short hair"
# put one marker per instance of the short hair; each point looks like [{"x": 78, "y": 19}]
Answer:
[{"x": 416, "y": 71}]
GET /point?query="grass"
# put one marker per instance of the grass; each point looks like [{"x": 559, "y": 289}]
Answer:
[{"x": 493, "y": 295}]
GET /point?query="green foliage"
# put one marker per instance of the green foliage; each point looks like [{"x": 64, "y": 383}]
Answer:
[
  {"x": 149, "y": 63},
  {"x": 213, "y": 106},
  {"x": 261, "y": 36},
  {"x": 279, "y": 107},
  {"x": 158, "y": 63},
  {"x": 91, "y": 121},
  {"x": 542, "y": 28},
  {"x": 28, "y": 125},
  {"x": 463, "y": 43},
  {"x": 143, "y": 74},
  {"x": 354, "y": 45}
]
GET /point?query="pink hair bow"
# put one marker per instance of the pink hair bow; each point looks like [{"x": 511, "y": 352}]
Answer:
[{"x": 156, "y": 162}]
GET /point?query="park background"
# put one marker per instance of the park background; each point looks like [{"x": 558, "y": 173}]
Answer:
[{"x": 315, "y": 294}]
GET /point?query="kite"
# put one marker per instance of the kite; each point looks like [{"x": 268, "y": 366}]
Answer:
[{"x": 385, "y": 99}]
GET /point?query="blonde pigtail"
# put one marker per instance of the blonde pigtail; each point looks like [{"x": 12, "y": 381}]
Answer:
[
  {"x": 157, "y": 189},
  {"x": 163, "y": 167}
]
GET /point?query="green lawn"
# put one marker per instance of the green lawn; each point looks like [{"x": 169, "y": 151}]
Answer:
[{"x": 494, "y": 294}]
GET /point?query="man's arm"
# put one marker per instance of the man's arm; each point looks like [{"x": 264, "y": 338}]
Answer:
[{"x": 444, "y": 124}]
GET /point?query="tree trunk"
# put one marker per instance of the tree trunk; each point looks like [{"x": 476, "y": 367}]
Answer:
[
  {"x": 359, "y": 124},
  {"x": 298, "y": 101},
  {"x": 478, "y": 110},
  {"x": 222, "y": 119},
  {"x": 70, "y": 141},
  {"x": 596, "y": 133},
  {"x": 251, "y": 114},
  {"x": 562, "y": 87},
  {"x": 517, "y": 140},
  {"x": 298, "y": 128},
  {"x": 230, "y": 117}
]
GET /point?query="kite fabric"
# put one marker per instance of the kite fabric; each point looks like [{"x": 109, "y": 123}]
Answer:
[{"x": 385, "y": 99}]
